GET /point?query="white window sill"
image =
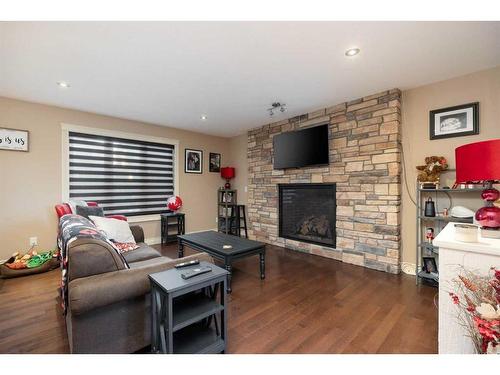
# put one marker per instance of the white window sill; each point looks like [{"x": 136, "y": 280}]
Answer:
[{"x": 143, "y": 218}]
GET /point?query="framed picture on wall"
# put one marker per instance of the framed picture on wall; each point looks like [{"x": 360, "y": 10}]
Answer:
[
  {"x": 214, "y": 162},
  {"x": 193, "y": 161},
  {"x": 457, "y": 121},
  {"x": 14, "y": 139}
]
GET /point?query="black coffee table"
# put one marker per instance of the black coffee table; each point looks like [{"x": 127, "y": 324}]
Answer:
[{"x": 224, "y": 247}]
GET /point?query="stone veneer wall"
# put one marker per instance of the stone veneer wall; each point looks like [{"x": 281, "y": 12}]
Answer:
[{"x": 364, "y": 162}]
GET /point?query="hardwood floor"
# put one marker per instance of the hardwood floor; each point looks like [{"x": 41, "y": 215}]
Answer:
[{"x": 306, "y": 304}]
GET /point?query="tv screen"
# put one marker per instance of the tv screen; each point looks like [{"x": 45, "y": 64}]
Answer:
[{"x": 301, "y": 148}]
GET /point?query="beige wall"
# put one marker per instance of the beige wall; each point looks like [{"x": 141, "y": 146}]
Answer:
[
  {"x": 238, "y": 159},
  {"x": 30, "y": 183},
  {"x": 483, "y": 87}
]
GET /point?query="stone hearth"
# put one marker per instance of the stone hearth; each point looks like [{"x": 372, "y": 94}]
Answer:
[{"x": 364, "y": 163}]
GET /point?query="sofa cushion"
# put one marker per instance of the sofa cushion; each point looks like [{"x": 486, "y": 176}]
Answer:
[{"x": 144, "y": 252}]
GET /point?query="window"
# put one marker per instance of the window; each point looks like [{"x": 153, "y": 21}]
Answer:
[{"x": 124, "y": 176}]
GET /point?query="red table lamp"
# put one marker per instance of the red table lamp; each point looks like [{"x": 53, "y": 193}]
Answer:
[
  {"x": 480, "y": 162},
  {"x": 227, "y": 173}
]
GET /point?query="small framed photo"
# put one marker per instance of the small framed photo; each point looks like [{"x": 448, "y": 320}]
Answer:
[
  {"x": 193, "y": 161},
  {"x": 430, "y": 264},
  {"x": 457, "y": 121},
  {"x": 215, "y": 162},
  {"x": 14, "y": 139}
]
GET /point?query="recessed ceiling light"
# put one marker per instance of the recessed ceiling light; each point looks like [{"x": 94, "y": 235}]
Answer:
[
  {"x": 203, "y": 117},
  {"x": 63, "y": 84},
  {"x": 352, "y": 52}
]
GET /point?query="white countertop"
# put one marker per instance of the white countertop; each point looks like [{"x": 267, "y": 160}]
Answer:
[{"x": 446, "y": 239}]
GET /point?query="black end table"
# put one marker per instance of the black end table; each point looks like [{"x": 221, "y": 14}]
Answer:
[
  {"x": 182, "y": 311},
  {"x": 172, "y": 221},
  {"x": 224, "y": 247}
]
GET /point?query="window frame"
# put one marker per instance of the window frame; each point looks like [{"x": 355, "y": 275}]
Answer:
[{"x": 67, "y": 128}]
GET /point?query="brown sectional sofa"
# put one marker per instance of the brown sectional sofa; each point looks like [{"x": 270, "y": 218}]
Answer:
[{"x": 108, "y": 304}]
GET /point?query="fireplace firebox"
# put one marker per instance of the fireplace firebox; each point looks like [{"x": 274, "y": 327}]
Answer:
[{"x": 307, "y": 212}]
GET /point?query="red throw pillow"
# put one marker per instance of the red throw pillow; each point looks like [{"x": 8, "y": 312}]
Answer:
[{"x": 124, "y": 247}]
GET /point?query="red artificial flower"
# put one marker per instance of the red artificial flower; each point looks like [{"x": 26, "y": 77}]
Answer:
[
  {"x": 485, "y": 328},
  {"x": 454, "y": 297}
]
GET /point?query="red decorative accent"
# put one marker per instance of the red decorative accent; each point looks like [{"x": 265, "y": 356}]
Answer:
[
  {"x": 490, "y": 195},
  {"x": 227, "y": 173},
  {"x": 174, "y": 203},
  {"x": 489, "y": 216},
  {"x": 478, "y": 162},
  {"x": 62, "y": 209}
]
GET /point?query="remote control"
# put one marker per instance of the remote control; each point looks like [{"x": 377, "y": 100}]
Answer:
[
  {"x": 195, "y": 272},
  {"x": 187, "y": 264}
]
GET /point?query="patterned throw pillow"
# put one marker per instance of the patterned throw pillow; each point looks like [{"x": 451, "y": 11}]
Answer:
[
  {"x": 86, "y": 211},
  {"x": 124, "y": 247}
]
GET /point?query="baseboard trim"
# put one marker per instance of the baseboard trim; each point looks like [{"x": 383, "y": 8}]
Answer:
[
  {"x": 408, "y": 268},
  {"x": 153, "y": 240},
  {"x": 157, "y": 240}
]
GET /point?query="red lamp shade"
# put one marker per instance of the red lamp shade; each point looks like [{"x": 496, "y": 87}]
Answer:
[
  {"x": 478, "y": 161},
  {"x": 227, "y": 173}
]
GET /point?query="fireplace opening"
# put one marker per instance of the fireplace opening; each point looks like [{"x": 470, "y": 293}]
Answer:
[{"x": 307, "y": 212}]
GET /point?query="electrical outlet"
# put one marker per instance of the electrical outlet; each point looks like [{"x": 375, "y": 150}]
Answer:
[
  {"x": 216, "y": 220},
  {"x": 246, "y": 189},
  {"x": 33, "y": 241}
]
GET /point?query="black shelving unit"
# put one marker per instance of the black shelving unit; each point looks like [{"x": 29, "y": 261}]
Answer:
[
  {"x": 423, "y": 248},
  {"x": 172, "y": 225},
  {"x": 227, "y": 200}
]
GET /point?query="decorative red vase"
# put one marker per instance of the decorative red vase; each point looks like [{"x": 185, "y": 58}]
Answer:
[
  {"x": 174, "y": 203},
  {"x": 489, "y": 215}
]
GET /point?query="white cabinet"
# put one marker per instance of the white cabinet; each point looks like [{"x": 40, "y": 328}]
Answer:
[{"x": 453, "y": 254}]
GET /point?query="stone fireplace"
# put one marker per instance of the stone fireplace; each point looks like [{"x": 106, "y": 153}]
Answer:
[
  {"x": 364, "y": 152},
  {"x": 307, "y": 213}
]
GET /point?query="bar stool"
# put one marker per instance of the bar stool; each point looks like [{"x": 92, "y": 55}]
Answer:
[{"x": 238, "y": 220}]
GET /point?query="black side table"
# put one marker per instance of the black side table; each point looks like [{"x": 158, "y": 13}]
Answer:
[
  {"x": 184, "y": 313},
  {"x": 172, "y": 225}
]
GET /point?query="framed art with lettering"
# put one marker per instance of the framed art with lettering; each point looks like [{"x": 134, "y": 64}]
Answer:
[{"x": 14, "y": 139}]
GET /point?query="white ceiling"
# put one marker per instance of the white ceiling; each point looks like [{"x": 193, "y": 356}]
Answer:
[{"x": 170, "y": 73}]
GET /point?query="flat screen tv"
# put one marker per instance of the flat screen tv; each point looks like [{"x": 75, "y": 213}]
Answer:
[{"x": 301, "y": 148}]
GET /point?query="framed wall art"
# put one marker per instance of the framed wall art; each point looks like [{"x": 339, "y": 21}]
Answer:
[
  {"x": 457, "y": 121},
  {"x": 193, "y": 161},
  {"x": 214, "y": 162}
]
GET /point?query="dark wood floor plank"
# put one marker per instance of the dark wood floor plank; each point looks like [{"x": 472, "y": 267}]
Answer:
[{"x": 306, "y": 304}]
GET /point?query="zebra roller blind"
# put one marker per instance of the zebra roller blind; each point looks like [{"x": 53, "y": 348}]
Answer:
[{"x": 124, "y": 176}]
